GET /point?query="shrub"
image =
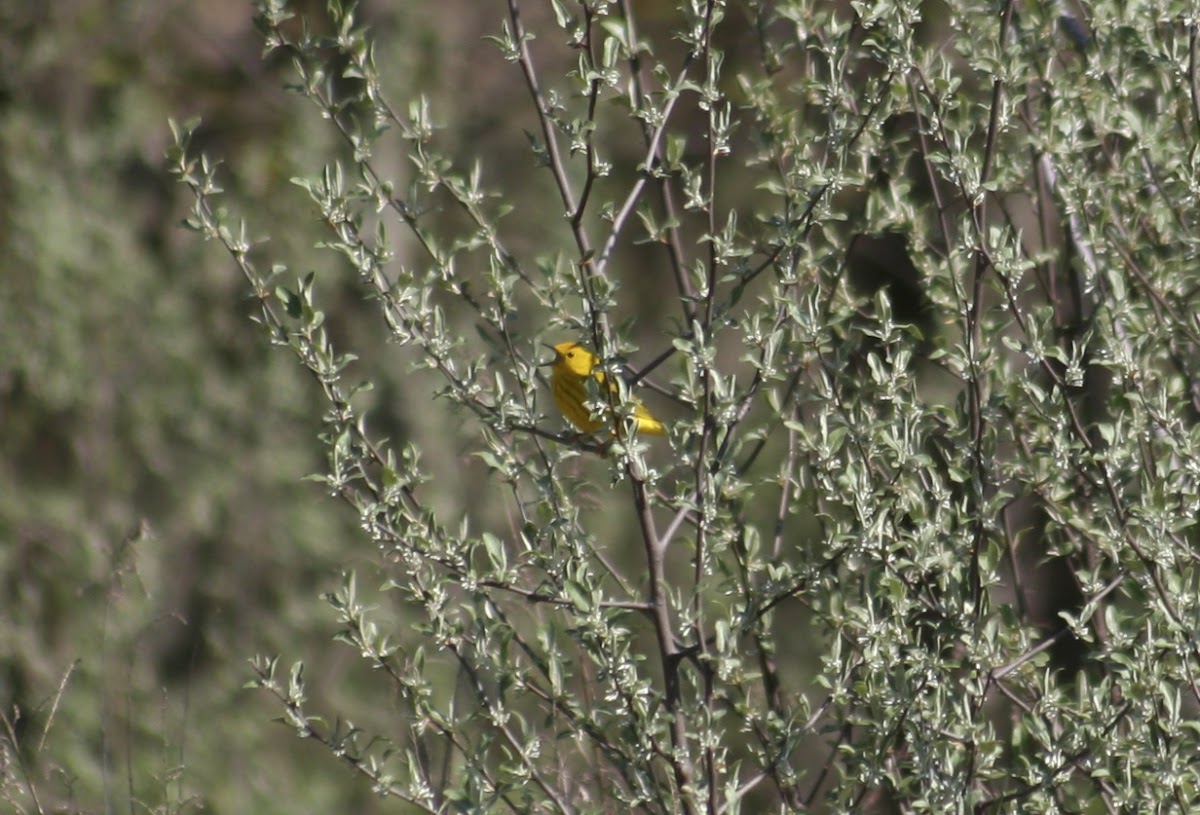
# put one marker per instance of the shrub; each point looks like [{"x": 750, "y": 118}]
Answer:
[{"x": 912, "y": 285}]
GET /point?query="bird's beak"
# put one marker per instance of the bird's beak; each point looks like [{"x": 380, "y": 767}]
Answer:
[{"x": 552, "y": 361}]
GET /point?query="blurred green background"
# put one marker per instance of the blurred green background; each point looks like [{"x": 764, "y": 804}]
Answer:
[{"x": 155, "y": 532}]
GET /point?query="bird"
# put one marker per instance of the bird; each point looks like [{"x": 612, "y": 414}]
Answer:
[{"x": 573, "y": 363}]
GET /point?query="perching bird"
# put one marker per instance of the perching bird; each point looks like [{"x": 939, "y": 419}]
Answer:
[{"x": 573, "y": 363}]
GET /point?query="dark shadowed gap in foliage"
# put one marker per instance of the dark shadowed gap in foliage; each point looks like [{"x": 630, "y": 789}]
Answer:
[
  {"x": 876, "y": 262},
  {"x": 1049, "y": 587}
]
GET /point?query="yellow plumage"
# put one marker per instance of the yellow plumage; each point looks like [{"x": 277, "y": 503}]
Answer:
[{"x": 573, "y": 364}]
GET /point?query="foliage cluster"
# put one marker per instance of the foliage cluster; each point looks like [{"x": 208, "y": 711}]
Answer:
[{"x": 937, "y": 386}]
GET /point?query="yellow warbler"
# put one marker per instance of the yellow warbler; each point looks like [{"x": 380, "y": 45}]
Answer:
[{"x": 573, "y": 364}]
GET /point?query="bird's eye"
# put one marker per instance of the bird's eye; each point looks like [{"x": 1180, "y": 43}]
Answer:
[{"x": 570, "y": 355}]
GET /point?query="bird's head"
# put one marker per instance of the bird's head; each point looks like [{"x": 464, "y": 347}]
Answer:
[{"x": 573, "y": 358}]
